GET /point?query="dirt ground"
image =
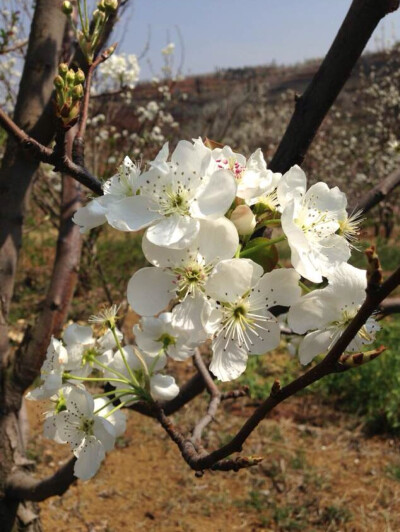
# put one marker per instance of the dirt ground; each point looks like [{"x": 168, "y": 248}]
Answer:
[{"x": 319, "y": 473}]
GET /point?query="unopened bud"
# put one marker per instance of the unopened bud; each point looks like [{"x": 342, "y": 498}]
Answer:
[
  {"x": 243, "y": 219},
  {"x": 67, "y": 8},
  {"x": 58, "y": 82},
  {"x": 70, "y": 77},
  {"x": 77, "y": 92},
  {"x": 110, "y": 5},
  {"x": 99, "y": 15},
  {"x": 101, "y": 6},
  {"x": 62, "y": 69},
  {"x": 79, "y": 76}
]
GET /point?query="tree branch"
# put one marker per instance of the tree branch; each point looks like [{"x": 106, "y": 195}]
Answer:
[
  {"x": 22, "y": 486},
  {"x": 29, "y": 356},
  {"x": 379, "y": 192},
  {"x": 311, "y": 108},
  {"x": 61, "y": 163},
  {"x": 201, "y": 460},
  {"x": 215, "y": 398}
]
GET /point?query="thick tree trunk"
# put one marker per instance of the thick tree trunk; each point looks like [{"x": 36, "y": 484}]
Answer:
[{"x": 33, "y": 113}]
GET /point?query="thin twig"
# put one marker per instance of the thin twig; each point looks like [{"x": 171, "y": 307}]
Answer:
[
  {"x": 215, "y": 398},
  {"x": 78, "y": 153}
]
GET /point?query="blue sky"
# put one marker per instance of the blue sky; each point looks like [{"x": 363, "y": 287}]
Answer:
[{"x": 235, "y": 33}]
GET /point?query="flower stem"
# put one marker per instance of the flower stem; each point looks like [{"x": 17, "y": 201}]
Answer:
[
  {"x": 121, "y": 405},
  {"x": 305, "y": 287},
  {"x": 108, "y": 403},
  {"x": 128, "y": 368},
  {"x": 107, "y": 368},
  {"x": 94, "y": 379}
]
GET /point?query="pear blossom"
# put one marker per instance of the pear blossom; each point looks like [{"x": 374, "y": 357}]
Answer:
[
  {"x": 327, "y": 313},
  {"x": 180, "y": 273},
  {"x": 161, "y": 335},
  {"x": 174, "y": 196},
  {"x": 121, "y": 185},
  {"x": 245, "y": 326},
  {"x": 88, "y": 434},
  {"x": 77, "y": 339},
  {"x": 162, "y": 387},
  {"x": 253, "y": 177},
  {"x": 117, "y": 418},
  {"x": 51, "y": 372},
  {"x": 310, "y": 221}
]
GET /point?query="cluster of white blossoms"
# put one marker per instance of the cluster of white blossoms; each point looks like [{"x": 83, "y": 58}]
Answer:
[
  {"x": 120, "y": 71},
  {"x": 213, "y": 277}
]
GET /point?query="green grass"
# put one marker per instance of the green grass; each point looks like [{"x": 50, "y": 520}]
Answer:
[{"x": 372, "y": 390}]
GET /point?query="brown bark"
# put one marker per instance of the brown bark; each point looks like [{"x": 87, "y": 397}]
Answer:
[{"x": 32, "y": 113}]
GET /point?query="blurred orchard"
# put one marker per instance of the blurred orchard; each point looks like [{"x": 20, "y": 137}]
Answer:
[{"x": 158, "y": 236}]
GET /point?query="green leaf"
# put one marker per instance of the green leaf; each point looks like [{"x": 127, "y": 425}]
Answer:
[{"x": 262, "y": 252}]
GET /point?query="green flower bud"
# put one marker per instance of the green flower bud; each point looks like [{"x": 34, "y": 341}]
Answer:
[
  {"x": 67, "y": 8},
  {"x": 77, "y": 92},
  {"x": 70, "y": 77},
  {"x": 62, "y": 69},
  {"x": 79, "y": 76},
  {"x": 58, "y": 82},
  {"x": 99, "y": 15},
  {"x": 101, "y": 6},
  {"x": 110, "y": 5}
]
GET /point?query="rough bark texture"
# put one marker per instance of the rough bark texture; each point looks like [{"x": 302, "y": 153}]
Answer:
[{"x": 32, "y": 113}]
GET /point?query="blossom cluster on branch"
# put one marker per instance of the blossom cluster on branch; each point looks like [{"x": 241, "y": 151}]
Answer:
[{"x": 208, "y": 216}]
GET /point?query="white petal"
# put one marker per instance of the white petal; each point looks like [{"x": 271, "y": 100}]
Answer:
[
  {"x": 266, "y": 339},
  {"x": 174, "y": 231},
  {"x": 91, "y": 215},
  {"x": 163, "y": 387},
  {"x": 80, "y": 402},
  {"x": 150, "y": 290},
  {"x": 105, "y": 432},
  {"x": 314, "y": 344},
  {"x": 229, "y": 360},
  {"x": 313, "y": 311},
  {"x": 216, "y": 197},
  {"x": 279, "y": 287},
  {"x": 231, "y": 279},
  {"x": 217, "y": 239},
  {"x": 132, "y": 213},
  {"x": 78, "y": 334},
  {"x": 291, "y": 186},
  {"x": 89, "y": 459}
]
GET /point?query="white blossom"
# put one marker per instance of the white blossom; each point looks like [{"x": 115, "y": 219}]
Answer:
[
  {"x": 245, "y": 325},
  {"x": 88, "y": 434},
  {"x": 327, "y": 313},
  {"x": 310, "y": 221},
  {"x": 173, "y": 197}
]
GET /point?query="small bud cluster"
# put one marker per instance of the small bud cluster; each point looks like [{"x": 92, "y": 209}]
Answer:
[
  {"x": 69, "y": 92},
  {"x": 90, "y": 33}
]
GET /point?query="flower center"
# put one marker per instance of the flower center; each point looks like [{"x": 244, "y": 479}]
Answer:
[
  {"x": 192, "y": 277},
  {"x": 87, "y": 426},
  {"x": 166, "y": 340},
  {"x": 174, "y": 202}
]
